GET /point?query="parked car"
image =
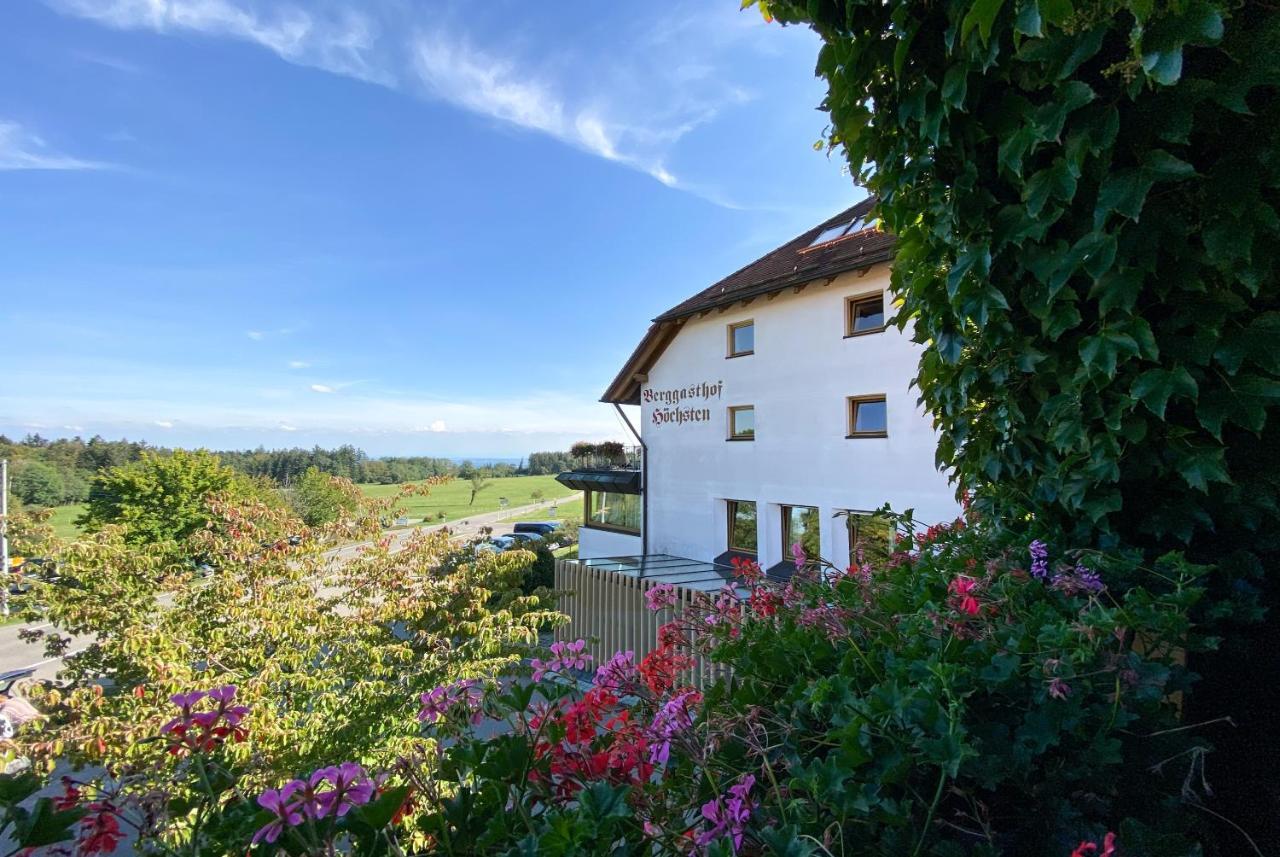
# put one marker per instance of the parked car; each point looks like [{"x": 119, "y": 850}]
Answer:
[
  {"x": 496, "y": 544},
  {"x": 525, "y": 539},
  {"x": 541, "y": 528}
]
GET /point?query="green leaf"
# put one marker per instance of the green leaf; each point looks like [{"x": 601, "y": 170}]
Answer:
[
  {"x": 1056, "y": 11},
  {"x": 1164, "y": 67},
  {"x": 1124, "y": 191},
  {"x": 17, "y": 788},
  {"x": 1155, "y": 387},
  {"x": 982, "y": 14},
  {"x": 1162, "y": 165},
  {"x": 379, "y": 812},
  {"x": 1028, "y": 21},
  {"x": 44, "y": 825},
  {"x": 954, "y": 85},
  {"x": 1203, "y": 465}
]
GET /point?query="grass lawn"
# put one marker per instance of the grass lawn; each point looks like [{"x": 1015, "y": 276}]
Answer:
[
  {"x": 63, "y": 520},
  {"x": 452, "y": 497}
]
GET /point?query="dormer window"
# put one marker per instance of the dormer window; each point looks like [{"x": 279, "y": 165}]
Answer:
[
  {"x": 844, "y": 229},
  {"x": 742, "y": 338}
]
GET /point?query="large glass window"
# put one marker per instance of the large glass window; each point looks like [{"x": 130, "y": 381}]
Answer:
[
  {"x": 742, "y": 526},
  {"x": 742, "y": 338},
  {"x": 871, "y": 538},
  {"x": 613, "y": 511},
  {"x": 742, "y": 422},
  {"x": 800, "y": 524},
  {"x": 868, "y": 416}
]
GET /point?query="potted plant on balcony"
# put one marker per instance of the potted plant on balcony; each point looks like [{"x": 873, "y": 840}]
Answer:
[
  {"x": 582, "y": 450},
  {"x": 612, "y": 453}
]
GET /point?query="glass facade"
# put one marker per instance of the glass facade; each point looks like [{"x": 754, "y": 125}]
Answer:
[
  {"x": 800, "y": 525},
  {"x": 613, "y": 511}
]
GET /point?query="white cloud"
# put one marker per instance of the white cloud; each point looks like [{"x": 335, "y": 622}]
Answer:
[
  {"x": 321, "y": 388},
  {"x": 436, "y": 426},
  {"x": 340, "y": 44},
  {"x": 165, "y": 424},
  {"x": 20, "y": 149},
  {"x": 256, "y": 335},
  {"x": 630, "y": 101},
  {"x": 287, "y": 427},
  {"x": 453, "y": 71},
  {"x": 298, "y": 364}
]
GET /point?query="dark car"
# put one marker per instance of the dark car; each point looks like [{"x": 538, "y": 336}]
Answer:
[
  {"x": 538, "y": 528},
  {"x": 525, "y": 539}
]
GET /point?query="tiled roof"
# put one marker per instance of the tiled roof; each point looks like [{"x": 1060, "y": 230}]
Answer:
[
  {"x": 794, "y": 263},
  {"x": 790, "y": 265}
]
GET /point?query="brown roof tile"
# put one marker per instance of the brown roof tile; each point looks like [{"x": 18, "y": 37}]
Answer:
[{"x": 794, "y": 263}]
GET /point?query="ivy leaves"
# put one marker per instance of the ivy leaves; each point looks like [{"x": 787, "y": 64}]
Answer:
[{"x": 1088, "y": 210}]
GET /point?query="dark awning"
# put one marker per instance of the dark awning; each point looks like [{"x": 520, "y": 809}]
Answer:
[{"x": 618, "y": 481}]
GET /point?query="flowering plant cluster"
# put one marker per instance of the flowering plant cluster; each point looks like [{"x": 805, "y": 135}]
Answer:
[{"x": 970, "y": 694}]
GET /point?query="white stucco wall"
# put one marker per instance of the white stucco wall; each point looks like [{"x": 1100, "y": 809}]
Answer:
[
  {"x": 798, "y": 379},
  {"x": 594, "y": 543}
]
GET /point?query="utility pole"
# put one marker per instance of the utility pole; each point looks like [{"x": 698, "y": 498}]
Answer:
[{"x": 4, "y": 534}]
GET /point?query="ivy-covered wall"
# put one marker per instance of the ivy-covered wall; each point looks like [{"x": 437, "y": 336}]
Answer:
[{"x": 1087, "y": 199}]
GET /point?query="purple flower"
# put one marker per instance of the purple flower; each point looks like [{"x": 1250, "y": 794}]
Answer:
[
  {"x": 1059, "y": 689},
  {"x": 728, "y": 814},
  {"x": 566, "y": 657},
  {"x": 1039, "y": 559},
  {"x": 798, "y": 554},
  {"x": 672, "y": 719},
  {"x": 186, "y": 700},
  {"x": 439, "y": 701},
  {"x": 619, "y": 672},
  {"x": 660, "y": 596},
  {"x": 1089, "y": 580},
  {"x": 278, "y": 801}
]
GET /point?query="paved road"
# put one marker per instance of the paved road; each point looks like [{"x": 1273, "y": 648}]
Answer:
[{"x": 17, "y": 654}]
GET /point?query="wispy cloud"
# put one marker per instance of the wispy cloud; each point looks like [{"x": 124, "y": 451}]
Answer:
[
  {"x": 298, "y": 364},
  {"x": 452, "y": 70},
  {"x": 22, "y": 149},
  {"x": 340, "y": 43},
  {"x": 322, "y": 388},
  {"x": 164, "y": 424},
  {"x": 632, "y": 109}
]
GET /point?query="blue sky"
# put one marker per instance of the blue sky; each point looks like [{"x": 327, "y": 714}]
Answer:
[{"x": 417, "y": 227}]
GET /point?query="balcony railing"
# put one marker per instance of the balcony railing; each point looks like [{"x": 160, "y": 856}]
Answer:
[
  {"x": 605, "y": 602},
  {"x": 629, "y": 459}
]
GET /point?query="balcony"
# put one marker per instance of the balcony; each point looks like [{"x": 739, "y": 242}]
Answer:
[{"x": 605, "y": 467}]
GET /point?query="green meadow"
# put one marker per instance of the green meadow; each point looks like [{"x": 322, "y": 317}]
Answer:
[{"x": 453, "y": 498}]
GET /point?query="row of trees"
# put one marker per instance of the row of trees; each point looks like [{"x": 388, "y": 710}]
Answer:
[{"x": 54, "y": 472}]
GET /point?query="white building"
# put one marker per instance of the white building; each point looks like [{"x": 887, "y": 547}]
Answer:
[{"x": 773, "y": 404}]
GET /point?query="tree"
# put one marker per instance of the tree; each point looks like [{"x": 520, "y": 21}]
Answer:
[
  {"x": 320, "y": 499},
  {"x": 479, "y": 482},
  {"x": 330, "y": 657},
  {"x": 1087, "y": 204},
  {"x": 162, "y": 497},
  {"x": 37, "y": 483}
]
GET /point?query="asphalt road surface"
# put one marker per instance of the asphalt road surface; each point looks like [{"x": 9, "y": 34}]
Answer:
[{"x": 18, "y": 654}]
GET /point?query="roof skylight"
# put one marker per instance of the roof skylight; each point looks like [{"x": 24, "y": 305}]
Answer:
[{"x": 842, "y": 230}]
